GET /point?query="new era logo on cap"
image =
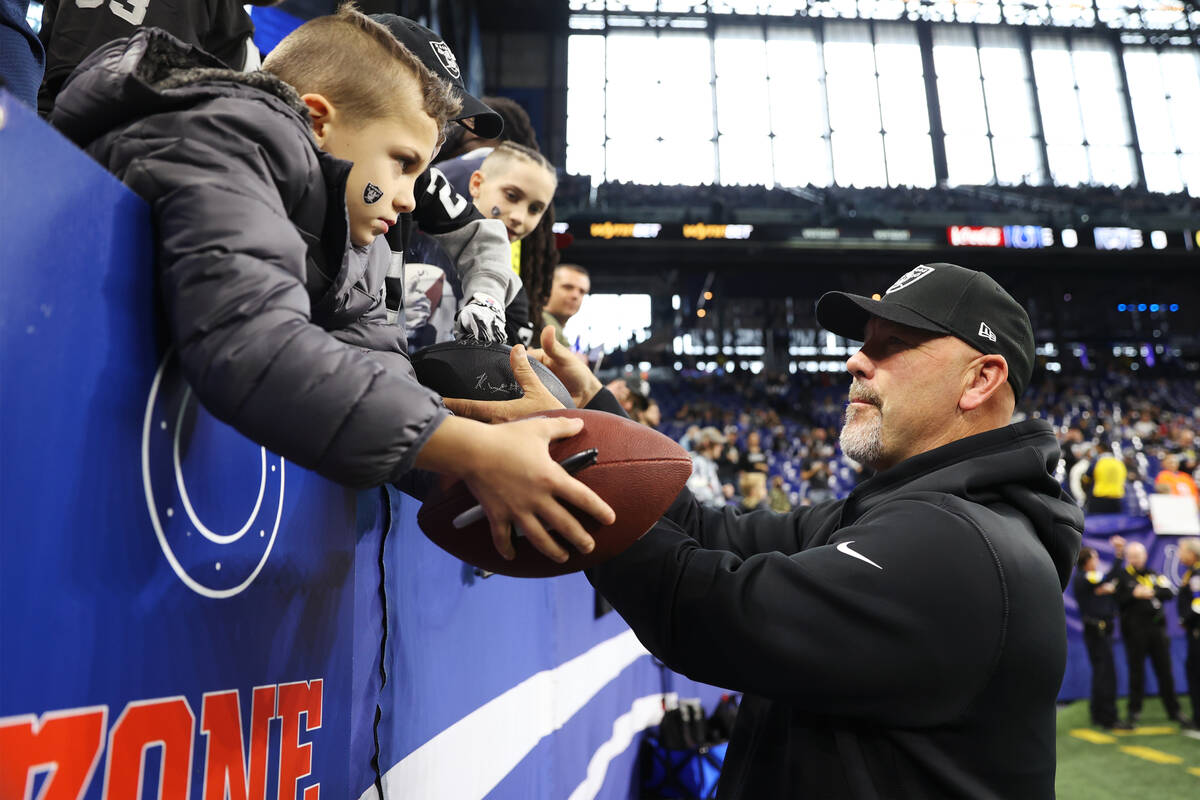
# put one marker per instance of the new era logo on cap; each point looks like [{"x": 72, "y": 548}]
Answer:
[
  {"x": 446, "y": 56},
  {"x": 986, "y": 332}
]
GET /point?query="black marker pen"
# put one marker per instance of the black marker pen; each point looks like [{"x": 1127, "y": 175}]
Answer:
[{"x": 572, "y": 464}]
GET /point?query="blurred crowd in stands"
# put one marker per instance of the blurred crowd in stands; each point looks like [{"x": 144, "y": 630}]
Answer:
[
  {"x": 771, "y": 441},
  {"x": 833, "y": 204}
]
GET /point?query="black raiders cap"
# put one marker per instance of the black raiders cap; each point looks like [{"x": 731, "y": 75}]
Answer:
[
  {"x": 436, "y": 55},
  {"x": 948, "y": 299}
]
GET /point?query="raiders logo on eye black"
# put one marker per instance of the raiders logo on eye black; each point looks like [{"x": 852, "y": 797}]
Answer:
[{"x": 372, "y": 193}]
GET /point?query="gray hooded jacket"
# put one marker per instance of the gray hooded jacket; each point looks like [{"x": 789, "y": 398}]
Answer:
[{"x": 280, "y": 323}]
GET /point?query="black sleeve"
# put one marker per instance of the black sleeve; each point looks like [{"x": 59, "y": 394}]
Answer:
[
  {"x": 229, "y": 27},
  {"x": 1115, "y": 571},
  {"x": 741, "y": 533},
  {"x": 604, "y": 400},
  {"x": 1185, "y": 598},
  {"x": 441, "y": 209},
  {"x": 1081, "y": 588},
  {"x": 1162, "y": 588},
  {"x": 1124, "y": 593},
  {"x": 516, "y": 319},
  {"x": 862, "y": 635}
]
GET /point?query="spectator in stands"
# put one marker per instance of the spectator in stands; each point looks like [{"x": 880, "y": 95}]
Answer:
[
  {"x": 1188, "y": 604},
  {"x": 1140, "y": 594},
  {"x": 753, "y": 486},
  {"x": 816, "y": 473},
  {"x": 1078, "y": 471},
  {"x": 777, "y": 498},
  {"x": 72, "y": 30},
  {"x": 1106, "y": 484},
  {"x": 1072, "y": 447},
  {"x": 1145, "y": 426},
  {"x": 272, "y": 280},
  {"x": 729, "y": 460},
  {"x": 571, "y": 284},
  {"x": 22, "y": 56},
  {"x": 652, "y": 416},
  {"x": 753, "y": 458},
  {"x": 1094, "y": 592},
  {"x": 1172, "y": 480},
  {"x": 691, "y": 439},
  {"x": 1185, "y": 448},
  {"x": 637, "y": 406},
  {"x": 620, "y": 390},
  {"x": 704, "y": 483}
]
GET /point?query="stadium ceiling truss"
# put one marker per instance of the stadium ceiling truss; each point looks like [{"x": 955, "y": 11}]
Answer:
[
  {"x": 1151, "y": 21},
  {"x": 1047, "y": 91}
]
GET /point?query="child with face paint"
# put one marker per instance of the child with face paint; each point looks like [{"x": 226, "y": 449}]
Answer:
[
  {"x": 514, "y": 184},
  {"x": 270, "y": 191}
]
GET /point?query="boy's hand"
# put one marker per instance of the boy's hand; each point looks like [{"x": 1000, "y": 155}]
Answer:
[
  {"x": 536, "y": 398},
  {"x": 481, "y": 319},
  {"x": 529, "y": 488},
  {"x": 567, "y": 367},
  {"x": 509, "y": 470}
]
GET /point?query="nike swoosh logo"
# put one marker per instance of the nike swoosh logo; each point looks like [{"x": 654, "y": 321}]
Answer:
[{"x": 844, "y": 547}]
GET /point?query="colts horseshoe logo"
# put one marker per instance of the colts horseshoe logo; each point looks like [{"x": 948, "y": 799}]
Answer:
[{"x": 214, "y": 498}]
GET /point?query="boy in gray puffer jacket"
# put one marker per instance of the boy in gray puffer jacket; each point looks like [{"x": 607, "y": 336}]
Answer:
[{"x": 270, "y": 193}]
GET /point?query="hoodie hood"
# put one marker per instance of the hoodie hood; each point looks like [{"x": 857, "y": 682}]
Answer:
[
  {"x": 152, "y": 72},
  {"x": 1012, "y": 466}
]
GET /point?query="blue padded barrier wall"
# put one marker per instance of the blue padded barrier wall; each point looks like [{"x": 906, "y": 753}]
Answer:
[
  {"x": 180, "y": 608},
  {"x": 165, "y": 584}
]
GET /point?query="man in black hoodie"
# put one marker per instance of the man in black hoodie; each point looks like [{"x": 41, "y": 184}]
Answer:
[{"x": 907, "y": 641}]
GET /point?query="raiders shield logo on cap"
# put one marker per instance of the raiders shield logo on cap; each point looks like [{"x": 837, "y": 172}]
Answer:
[
  {"x": 442, "y": 50},
  {"x": 909, "y": 278}
]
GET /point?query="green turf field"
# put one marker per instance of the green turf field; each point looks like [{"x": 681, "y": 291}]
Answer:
[{"x": 1153, "y": 761}]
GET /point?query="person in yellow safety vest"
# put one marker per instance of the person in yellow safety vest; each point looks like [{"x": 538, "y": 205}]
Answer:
[{"x": 1107, "y": 475}]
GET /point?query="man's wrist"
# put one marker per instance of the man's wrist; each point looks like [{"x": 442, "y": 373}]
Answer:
[{"x": 590, "y": 390}]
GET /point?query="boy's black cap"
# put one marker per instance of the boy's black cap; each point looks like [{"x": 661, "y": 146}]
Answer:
[
  {"x": 948, "y": 299},
  {"x": 436, "y": 55}
]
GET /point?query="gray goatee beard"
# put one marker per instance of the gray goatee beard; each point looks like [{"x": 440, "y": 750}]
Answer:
[{"x": 862, "y": 429}]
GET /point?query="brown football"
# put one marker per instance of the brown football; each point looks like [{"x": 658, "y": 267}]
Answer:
[{"x": 638, "y": 471}]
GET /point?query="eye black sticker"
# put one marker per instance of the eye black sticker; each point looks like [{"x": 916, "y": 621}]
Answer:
[
  {"x": 495, "y": 211},
  {"x": 372, "y": 193}
]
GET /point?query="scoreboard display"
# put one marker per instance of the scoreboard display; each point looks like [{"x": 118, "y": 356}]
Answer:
[{"x": 1013, "y": 237}]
